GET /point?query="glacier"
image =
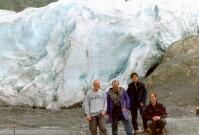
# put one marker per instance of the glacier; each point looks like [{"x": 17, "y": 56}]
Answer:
[{"x": 50, "y": 55}]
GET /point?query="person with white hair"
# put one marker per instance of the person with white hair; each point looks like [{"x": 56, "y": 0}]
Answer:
[{"x": 95, "y": 108}]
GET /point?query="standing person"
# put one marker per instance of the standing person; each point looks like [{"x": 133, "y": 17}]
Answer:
[
  {"x": 155, "y": 113},
  {"x": 117, "y": 108},
  {"x": 137, "y": 94},
  {"x": 95, "y": 109}
]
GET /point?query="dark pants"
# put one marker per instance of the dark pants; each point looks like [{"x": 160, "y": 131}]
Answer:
[
  {"x": 134, "y": 115},
  {"x": 157, "y": 125},
  {"x": 97, "y": 121},
  {"x": 126, "y": 123}
]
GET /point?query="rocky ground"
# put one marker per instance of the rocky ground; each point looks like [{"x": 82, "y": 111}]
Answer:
[
  {"x": 29, "y": 121},
  {"x": 18, "y": 5},
  {"x": 176, "y": 80}
]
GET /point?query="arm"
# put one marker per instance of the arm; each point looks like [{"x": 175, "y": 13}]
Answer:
[
  {"x": 127, "y": 100},
  {"x": 146, "y": 114},
  {"x": 104, "y": 102},
  {"x": 108, "y": 104},
  {"x": 144, "y": 95},
  {"x": 87, "y": 104},
  {"x": 164, "y": 114},
  {"x": 128, "y": 91}
]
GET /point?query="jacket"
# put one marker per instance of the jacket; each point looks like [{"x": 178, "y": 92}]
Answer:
[
  {"x": 151, "y": 111},
  {"x": 137, "y": 95},
  {"x": 124, "y": 101},
  {"x": 95, "y": 102}
]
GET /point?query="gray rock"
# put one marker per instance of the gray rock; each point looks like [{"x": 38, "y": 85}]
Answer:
[
  {"x": 18, "y": 5},
  {"x": 176, "y": 79}
]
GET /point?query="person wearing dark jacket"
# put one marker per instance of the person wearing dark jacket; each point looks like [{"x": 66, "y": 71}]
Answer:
[
  {"x": 137, "y": 94},
  {"x": 155, "y": 114},
  {"x": 117, "y": 108}
]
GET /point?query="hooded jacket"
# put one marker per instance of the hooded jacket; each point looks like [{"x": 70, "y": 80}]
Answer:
[{"x": 124, "y": 101}]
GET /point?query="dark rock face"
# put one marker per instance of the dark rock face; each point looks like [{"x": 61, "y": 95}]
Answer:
[
  {"x": 176, "y": 79},
  {"x": 18, "y": 5}
]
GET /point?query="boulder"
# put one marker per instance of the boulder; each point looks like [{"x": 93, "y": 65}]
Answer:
[{"x": 176, "y": 79}]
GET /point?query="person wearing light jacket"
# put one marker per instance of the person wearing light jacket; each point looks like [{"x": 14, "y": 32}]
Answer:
[{"x": 95, "y": 109}]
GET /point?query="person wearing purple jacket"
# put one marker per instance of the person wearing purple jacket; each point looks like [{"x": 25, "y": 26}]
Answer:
[{"x": 118, "y": 105}]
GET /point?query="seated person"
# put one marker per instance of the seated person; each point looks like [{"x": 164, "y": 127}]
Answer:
[{"x": 155, "y": 114}]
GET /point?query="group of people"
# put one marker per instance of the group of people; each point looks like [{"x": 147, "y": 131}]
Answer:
[{"x": 118, "y": 102}]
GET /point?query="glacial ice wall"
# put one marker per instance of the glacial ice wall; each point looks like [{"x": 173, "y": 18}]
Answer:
[{"x": 50, "y": 55}]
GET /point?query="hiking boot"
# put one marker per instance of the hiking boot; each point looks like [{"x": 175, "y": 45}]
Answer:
[
  {"x": 161, "y": 132},
  {"x": 154, "y": 133},
  {"x": 147, "y": 130},
  {"x": 136, "y": 132}
]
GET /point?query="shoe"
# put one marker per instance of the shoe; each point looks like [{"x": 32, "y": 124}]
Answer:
[
  {"x": 136, "y": 132},
  {"x": 161, "y": 132},
  {"x": 147, "y": 130},
  {"x": 154, "y": 133}
]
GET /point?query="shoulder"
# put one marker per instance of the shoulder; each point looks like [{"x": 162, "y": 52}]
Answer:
[
  {"x": 141, "y": 84},
  {"x": 148, "y": 107},
  {"x": 161, "y": 105},
  {"x": 89, "y": 92},
  {"x": 102, "y": 91},
  {"x": 109, "y": 91},
  {"x": 122, "y": 89},
  {"x": 130, "y": 85}
]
